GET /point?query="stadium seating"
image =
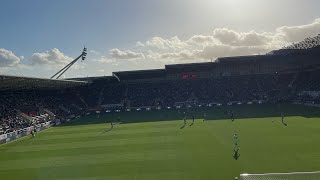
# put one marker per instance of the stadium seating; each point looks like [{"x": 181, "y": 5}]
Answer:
[
  {"x": 301, "y": 85},
  {"x": 266, "y": 87},
  {"x": 243, "y": 88}
]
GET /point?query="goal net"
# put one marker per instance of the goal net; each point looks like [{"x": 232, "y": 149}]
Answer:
[{"x": 282, "y": 176}]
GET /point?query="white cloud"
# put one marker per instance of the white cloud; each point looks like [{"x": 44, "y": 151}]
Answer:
[
  {"x": 159, "y": 51},
  {"x": 94, "y": 52},
  {"x": 171, "y": 43},
  {"x": 206, "y": 54},
  {"x": 127, "y": 54},
  {"x": 139, "y": 44},
  {"x": 226, "y": 50},
  {"x": 298, "y": 33},
  {"x": 220, "y": 43},
  {"x": 231, "y": 37},
  {"x": 202, "y": 40},
  {"x": 51, "y": 57},
  {"x": 182, "y": 55},
  {"x": 8, "y": 58},
  {"x": 101, "y": 70},
  {"x": 104, "y": 60}
]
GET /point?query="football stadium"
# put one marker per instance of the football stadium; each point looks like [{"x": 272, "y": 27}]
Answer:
[
  {"x": 248, "y": 117},
  {"x": 162, "y": 90}
]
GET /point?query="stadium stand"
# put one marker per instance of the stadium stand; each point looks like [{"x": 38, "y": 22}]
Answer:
[
  {"x": 280, "y": 75},
  {"x": 26, "y": 101},
  {"x": 289, "y": 74}
]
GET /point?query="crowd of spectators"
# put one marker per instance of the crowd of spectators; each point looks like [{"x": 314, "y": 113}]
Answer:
[
  {"x": 302, "y": 86},
  {"x": 9, "y": 121},
  {"x": 241, "y": 88},
  {"x": 219, "y": 90},
  {"x": 19, "y": 110}
]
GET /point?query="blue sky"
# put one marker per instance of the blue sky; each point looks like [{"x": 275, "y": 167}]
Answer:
[{"x": 40, "y": 36}]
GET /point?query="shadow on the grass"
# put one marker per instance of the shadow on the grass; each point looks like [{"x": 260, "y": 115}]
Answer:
[
  {"x": 108, "y": 130},
  {"x": 183, "y": 126},
  {"x": 236, "y": 156},
  {"x": 212, "y": 113}
]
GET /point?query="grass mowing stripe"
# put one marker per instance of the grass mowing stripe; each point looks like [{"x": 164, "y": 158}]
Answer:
[
  {"x": 165, "y": 168},
  {"x": 103, "y": 132},
  {"x": 105, "y": 137},
  {"x": 88, "y": 150},
  {"x": 161, "y": 150},
  {"x": 95, "y": 143},
  {"x": 87, "y": 159},
  {"x": 121, "y": 127},
  {"x": 144, "y": 176}
]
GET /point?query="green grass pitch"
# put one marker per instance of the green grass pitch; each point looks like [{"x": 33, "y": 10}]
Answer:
[{"x": 162, "y": 151}]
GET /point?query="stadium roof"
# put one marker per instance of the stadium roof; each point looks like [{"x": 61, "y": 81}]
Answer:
[
  {"x": 15, "y": 83},
  {"x": 140, "y": 74},
  {"x": 190, "y": 67},
  {"x": 91, "y": 79}
]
